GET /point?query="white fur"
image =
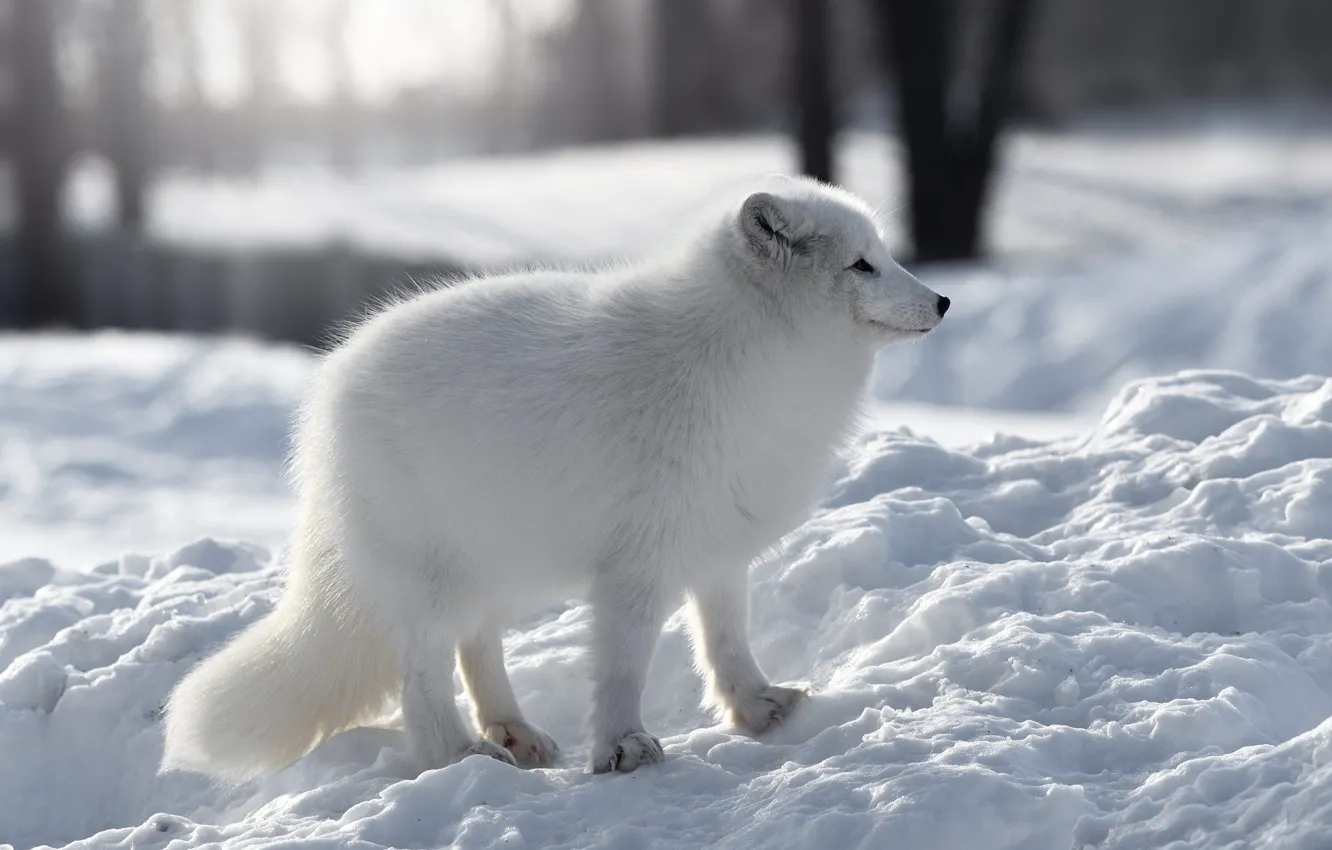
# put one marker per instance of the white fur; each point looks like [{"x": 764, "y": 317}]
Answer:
[{"x": 472, "y": 454}]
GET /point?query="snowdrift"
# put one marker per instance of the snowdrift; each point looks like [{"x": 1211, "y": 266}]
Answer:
[
  {"x": 113, "y": 442},
  {"x": 1255, "y": 298},
  {"x": 1122, "y": 639}
]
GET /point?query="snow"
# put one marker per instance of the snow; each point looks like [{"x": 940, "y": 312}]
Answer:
[
  {"x": 1121, "y": 637},
  {"x": 1072, "y": 588},
  {"x": 117, "y": 442},
  {"x": 1123, "y": 254},
  {"x": 1065, "y": 193},
  {"x": 1254, "y": 298},
  {"x": 120, "y": 442}
]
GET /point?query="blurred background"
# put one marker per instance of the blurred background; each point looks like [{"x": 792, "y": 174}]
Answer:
[
  {"x": 264, "y": 166},
  {"x": 193, "y": 193}
]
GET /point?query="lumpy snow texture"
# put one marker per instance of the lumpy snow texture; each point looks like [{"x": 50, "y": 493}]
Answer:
[{"x": 1117, "y": 640}]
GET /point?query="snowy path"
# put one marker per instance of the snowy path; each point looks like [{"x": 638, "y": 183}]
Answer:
[{"x": 1117, "y": 640}]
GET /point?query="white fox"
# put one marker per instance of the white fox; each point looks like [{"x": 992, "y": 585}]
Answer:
[{"x": 471, "y": 454}]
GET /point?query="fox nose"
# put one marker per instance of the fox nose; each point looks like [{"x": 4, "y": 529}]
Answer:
[{"x": 943, "y": 305}]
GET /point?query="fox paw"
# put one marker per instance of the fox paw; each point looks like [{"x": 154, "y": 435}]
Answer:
[
  {"x": 529, "y": 745},
  {"x": 625, "y": 756},
  {"x": 767, "y": 708},
  {"x": 486, "y": 748}
]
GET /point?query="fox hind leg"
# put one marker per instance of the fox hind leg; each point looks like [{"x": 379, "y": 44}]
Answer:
[{"x": 498, "y": 715}]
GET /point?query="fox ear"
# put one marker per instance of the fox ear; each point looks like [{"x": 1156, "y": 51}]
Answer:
[{"x": 768, "y": 224}]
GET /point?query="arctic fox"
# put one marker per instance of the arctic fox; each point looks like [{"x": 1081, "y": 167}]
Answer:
[{"x": 470, "y": 455}]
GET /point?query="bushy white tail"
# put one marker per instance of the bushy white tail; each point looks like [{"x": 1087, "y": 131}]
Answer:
[{"x": 315, "y": 666}]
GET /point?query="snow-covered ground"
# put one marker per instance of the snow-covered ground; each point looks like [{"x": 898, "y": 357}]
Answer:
[
  {"x": 1119, "y": 639},
  {"x": 1109, "y": 624},
  {"x": 1255, "y": 297},
  {"x": 120, "y": 442},
  {"x": 1067, "y": 193},
  {"x": 1122, "y": 254}
]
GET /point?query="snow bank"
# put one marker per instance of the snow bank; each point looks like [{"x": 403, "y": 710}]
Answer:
[
  {"x": 1255, "y": 298},
  {"x": 115, "y": 442},
  {"x": 1122, "y": 639},
  {"x": 1069, "y": 192},
  {"x": 133, "y": 442},
  {"x": 1174, "y": 249}
]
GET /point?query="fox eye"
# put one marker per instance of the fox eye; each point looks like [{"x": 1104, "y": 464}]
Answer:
[{"x": 863, "y": 267}]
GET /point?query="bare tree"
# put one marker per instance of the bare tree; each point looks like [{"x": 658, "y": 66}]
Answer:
[
  {"x": 814, "y": 89},
  {"x": 48, "y": 293},
  {"x": 950, "y": 130},
  {"x": 678, "y": 26},
  {"x": 506, "y": 76},
  {"x": 334, "y": 29},
  {"x": 260, "y": 22},
  {"x": 128, "y": 134},
  {"x": 193, "y": 120}
]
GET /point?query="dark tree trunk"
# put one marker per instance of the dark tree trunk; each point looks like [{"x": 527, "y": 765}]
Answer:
[
  {"x": 678, "y": 26},
  {"x": 814, "y": 89},
  {"x": 48, "y": 295},
  {"x": 195, "y": 135},
  {"x": 128, "y": 133},
  {"x": 260, "y": 49},
  {"x": 950, "y": 145},
  {"x": 342, "y": 140}
]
